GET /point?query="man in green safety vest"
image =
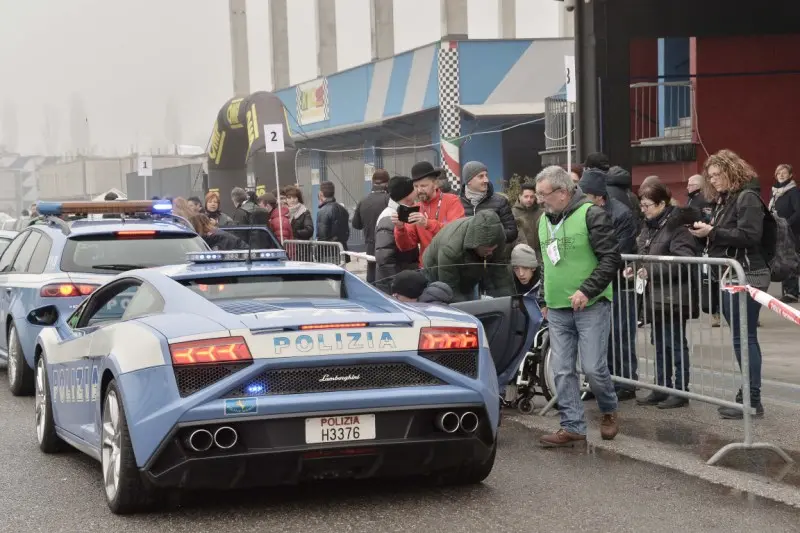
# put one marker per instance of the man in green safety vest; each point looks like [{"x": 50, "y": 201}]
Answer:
[{"x": 580, "y": 259}]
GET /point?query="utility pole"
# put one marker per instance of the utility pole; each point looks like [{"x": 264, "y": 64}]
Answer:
[{"x": 237, "y": 12}]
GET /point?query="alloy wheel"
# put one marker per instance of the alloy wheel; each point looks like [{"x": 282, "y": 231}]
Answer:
[{"x": 111, "y": 445}]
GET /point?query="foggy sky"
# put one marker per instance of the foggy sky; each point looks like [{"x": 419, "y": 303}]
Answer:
[{"x": 146, "y": 71}]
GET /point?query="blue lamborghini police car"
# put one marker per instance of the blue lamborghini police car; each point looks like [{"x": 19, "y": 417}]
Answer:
[
  {"x": 243, "y": 369},
  {"x": 63, "y": 257}
]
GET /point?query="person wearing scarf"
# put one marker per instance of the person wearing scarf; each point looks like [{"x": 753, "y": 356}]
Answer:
[
  {"x": 477, "y": 194},
  {"x": 785, "y": 203},
  {"x": 300, "y": 216}
]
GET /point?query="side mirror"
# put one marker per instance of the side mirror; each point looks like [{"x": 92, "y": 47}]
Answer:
[{"x": 44, "y": 316}]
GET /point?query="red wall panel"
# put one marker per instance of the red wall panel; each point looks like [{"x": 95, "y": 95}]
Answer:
[
  {"x": 644, "y": 100},
  {"x": 757, "y": 116}
]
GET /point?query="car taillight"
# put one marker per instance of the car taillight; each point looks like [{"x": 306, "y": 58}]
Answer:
[
  {"x": 135, "y": 234},
  {"x": 447, "y": 338},
  {"x": 67, "y": 290},
  {"x": 221, "y": 350}
]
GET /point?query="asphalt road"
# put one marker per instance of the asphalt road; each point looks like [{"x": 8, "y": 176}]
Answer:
[{"x": 530, "y": 490}]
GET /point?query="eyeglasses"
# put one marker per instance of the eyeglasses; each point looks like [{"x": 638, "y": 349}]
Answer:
[
  {"x": 646, "y": 205},
  {"x": 546, "y": 195}
]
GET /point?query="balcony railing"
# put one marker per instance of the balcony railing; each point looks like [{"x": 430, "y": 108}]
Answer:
[{"x": 661, "y": 113}]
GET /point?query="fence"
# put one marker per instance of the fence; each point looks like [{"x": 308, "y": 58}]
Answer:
[
  {"x": 315, "y": 251},
  {"x": 661, "y": 341}
]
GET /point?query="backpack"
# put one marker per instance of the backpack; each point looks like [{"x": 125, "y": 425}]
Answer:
[{"x": 778, "y": 246}]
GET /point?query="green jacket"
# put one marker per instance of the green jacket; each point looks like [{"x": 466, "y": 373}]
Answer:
[
  {"x": 528, "y": 222},
  {"x": 451, "y": 258}
]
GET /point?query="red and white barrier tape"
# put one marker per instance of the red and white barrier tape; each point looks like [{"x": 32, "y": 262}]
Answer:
[{"x": 770, "y": 302}]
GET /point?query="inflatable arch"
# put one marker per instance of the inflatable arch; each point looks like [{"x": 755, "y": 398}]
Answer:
[{"x": 237, "y": 147}]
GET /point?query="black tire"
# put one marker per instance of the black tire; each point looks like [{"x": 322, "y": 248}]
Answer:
[
  {"x": 544, "y": 367},
  {"x": 49, "y": 441},
  {"x": 133, "y": 494},
  {"x": 471, "y": 473},
  {"x": 20, "y": 375}
]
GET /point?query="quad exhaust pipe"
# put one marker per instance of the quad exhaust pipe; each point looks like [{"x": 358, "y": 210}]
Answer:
[
  {"x": 450, "y": 422},
  {"x": 225, "y": 438},
  {"x": 200, "y": 440}
]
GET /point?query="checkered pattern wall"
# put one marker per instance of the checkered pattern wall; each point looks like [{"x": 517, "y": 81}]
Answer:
[{"x": 449, "y": 114}]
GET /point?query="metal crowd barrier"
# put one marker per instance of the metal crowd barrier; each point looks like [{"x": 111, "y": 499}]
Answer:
[
  {"x": 315, "y": 251},
  {"x": 671, "y": 313}
]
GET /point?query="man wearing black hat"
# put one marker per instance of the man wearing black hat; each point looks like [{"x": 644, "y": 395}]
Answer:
[
  {"x": 367, "y": 213},
  {"x": 622, "y": 360},
  {"x": 388, "y": 259},
  {"x": 437, "y": 209}
]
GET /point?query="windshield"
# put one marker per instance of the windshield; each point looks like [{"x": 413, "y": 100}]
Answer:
[
  {"x": 4, "y": 244},
  {"x": 268, "y": 286},
  {"x": 105, "y": 253}
]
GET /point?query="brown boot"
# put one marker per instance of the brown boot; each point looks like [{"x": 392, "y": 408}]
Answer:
[
  {"x": 609, "y": 426},
  {"x": 562, "y": 439}
]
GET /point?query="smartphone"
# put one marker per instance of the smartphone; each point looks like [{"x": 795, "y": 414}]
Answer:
[{"x": 403, "y": 211}]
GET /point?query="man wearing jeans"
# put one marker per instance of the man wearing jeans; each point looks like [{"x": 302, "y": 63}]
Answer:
[{"x": 580, "y": 256}]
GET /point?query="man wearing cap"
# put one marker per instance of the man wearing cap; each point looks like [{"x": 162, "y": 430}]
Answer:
[
  {"x": 367, "y": 212},
  {"x": 526, "y": 269},
  {"x": 437, "y": 209},
  {"x": 389, "y": 260},
  {"x": 622, "y": 360},
  {"x": 477, "y": 194}
]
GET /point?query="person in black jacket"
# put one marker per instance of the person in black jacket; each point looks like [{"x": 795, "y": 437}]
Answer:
[
  {"x": 736, "y": 231},
  {"x": 697, "y": 200},
  {"x": 244, "y": 207},
  {"x": 665, "y": 233},
  {"x": 622, "y": 359},
  {"x": 785, "y": 203},
  {"x": 389, "y": 261},
  {"x": 302, "y": 223},
  {"x": 620, "y": 187},
  {"x": 216, "y": 238},
  {"x": 477, "y": 194},
  {"x": 367, "y": 212},
  {"x": 333, "y": 220}
]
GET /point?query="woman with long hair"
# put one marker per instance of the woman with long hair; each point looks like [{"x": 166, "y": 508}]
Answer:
[
  {"x": 216, "y": 238},
  {"x": 785, "y": 203},
  {"x": 735, "y": 232}
]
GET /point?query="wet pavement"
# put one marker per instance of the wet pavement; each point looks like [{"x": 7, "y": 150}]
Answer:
[{"x": 530, "y": 489}]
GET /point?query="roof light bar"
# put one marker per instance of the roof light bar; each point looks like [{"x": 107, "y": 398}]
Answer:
[
  {"x": 116, "y": 207},
  {"x": 231, "y": 256}
]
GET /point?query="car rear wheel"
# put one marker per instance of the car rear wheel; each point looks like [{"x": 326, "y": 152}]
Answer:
[
  {"x": 471, "y": 473},
  {"x": 45, "y": 426},
  {"x": 20, "y": 375},
  {"x": 126, "y": 490}
]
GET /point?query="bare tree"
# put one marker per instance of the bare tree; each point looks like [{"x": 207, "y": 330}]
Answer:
[
  {"x": 50, "y": 129},
  {"x": 79, "y": 126},
  {"x": 10, "y": 126}
]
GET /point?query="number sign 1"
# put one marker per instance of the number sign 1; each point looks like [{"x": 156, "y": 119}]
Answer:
[{"x": 273, "y": 138}]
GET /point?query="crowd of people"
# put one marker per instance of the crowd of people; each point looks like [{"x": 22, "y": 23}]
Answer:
[{"x": 562, "y": 240}]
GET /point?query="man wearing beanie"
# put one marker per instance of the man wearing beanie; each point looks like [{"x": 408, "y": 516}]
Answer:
[
  {"x": 367, "y": 212},
  {"x": 622, "y": 360},
  {"x": 436, "y": 210},
  {"x": 580, "y": 259},
  {"x": 388, "y": 259},
  {"x": 412, "y": 286},
  {"x": 477, "y": 194}
]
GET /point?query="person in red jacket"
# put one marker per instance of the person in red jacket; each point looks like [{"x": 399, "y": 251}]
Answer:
[
  {"x": 270, "y": 203},
  {"x": 437, "y": 209}
]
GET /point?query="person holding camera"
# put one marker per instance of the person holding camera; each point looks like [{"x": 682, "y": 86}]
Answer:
[{"x": 415, "y": 228}]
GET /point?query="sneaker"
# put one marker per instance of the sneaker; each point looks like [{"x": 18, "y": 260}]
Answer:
[
  {"x": 625, "y": 395},
  {"x": 673, "y": 402},
  {"x": 562, "y": 439},
  {"x": 609, "y": 427},
  {"x": 715, "y": 320},
  {"x": 654, "y": 398},
  {"x": 729, "y": 413},
  {"x": 789, "y": 299}
]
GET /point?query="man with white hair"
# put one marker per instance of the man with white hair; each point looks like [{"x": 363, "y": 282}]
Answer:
[{"x": 580, "y": 259}]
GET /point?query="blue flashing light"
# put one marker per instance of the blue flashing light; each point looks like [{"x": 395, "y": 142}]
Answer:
[
  {"x": 231, "y": 256},
  {"x": 255, "y": 389},
  {"x": 48, "y": 208},
  {"x": 162, "y": 208}
]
